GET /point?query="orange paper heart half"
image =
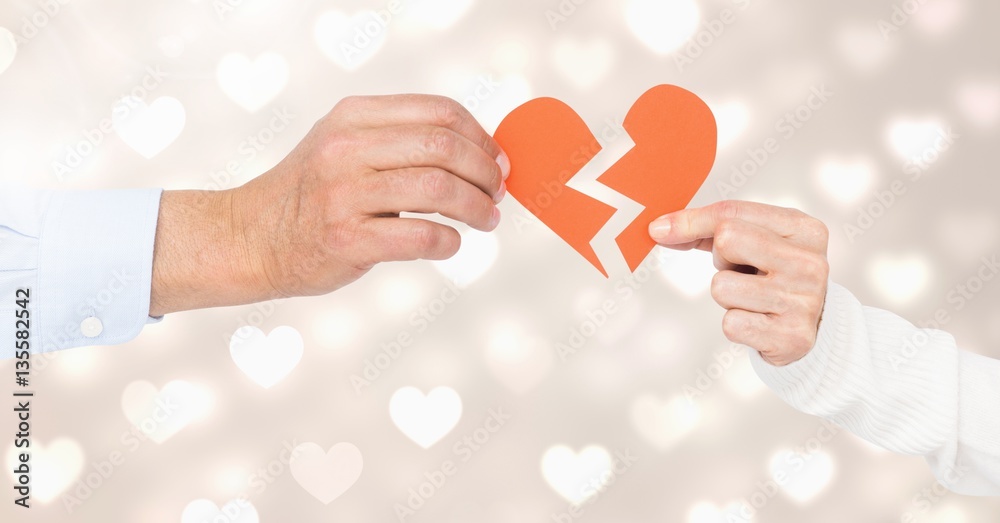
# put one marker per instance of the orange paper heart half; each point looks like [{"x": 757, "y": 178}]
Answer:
[{"x": 548, "y": 143}]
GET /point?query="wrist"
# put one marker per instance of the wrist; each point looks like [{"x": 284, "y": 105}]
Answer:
[
  {"x": 204, "y": 256},
  {"x": 252, "y": 220}
]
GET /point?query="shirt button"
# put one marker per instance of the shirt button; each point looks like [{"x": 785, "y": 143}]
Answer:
[{"x": 91, "y": 327}]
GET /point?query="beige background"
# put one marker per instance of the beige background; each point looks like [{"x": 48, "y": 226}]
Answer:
[{"x": 495, "y": 345}]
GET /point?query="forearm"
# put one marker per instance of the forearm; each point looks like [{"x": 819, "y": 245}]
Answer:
[{"x": 204, "y": 254}]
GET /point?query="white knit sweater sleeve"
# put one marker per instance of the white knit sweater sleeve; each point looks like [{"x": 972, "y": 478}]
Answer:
[{"x": 906, "y": 389}]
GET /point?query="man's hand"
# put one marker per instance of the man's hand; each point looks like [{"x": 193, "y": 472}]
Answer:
[
  {"x": 330, "y": 211},
  {"x": 772, "y": 275}
]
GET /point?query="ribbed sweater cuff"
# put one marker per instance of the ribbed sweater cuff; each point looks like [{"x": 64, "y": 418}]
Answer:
[{"x": 797, "y": 381}]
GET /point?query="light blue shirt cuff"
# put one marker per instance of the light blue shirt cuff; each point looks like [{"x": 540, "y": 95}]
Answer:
[{"x": 95, "y": 264}]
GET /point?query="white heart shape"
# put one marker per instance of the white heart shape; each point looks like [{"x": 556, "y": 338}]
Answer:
[
  {"x": 54, "y": 467},
  {"x": 425, "y": 419},
  {"x": 663, "y": 25},
  {"x": 899, "y": 279},
  {"x": 577, "y": 477},
  {"x": 252, "y": 84},
  {"x": 663, "y": 423},
  {"x": 690, "y": 272},
  {"x": 980, "y": 102},
  {"x": 326, "y": 475},
  {"x": 802, "y": 476},
  {"x": 350, "y": 41},
  {"x": 519, "y": 362},
  {"x": 160, "y": 414},
  {"x": 8, "y": 49},
  {"x": 149, "y": 130},
  {"x": 732, "y": 119},
  {"x": 912, "y": 138},
  {"x": 475, "y": 257},
  {"x": 235, "y": 511},
  {"x": 733, "y": 512},
  {"x": 846, "y": 181},
  {"x": 266, "y": 359},
  {"x": 583, "y": 64},
  {"x": 436, "y": 14}
]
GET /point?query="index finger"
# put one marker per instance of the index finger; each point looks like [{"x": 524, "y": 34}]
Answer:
[
  {"x": 420, "y": 109},
  {"x": 691, "y": 227}
]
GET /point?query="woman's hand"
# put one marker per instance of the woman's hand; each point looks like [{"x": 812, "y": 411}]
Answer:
[{"x": 773, "y": 271}]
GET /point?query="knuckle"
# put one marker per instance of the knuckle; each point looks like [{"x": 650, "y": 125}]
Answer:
[
  {"x": 437, "y": 185},
  {"x": 779, "y": 303},
  {"x": 814, "y": 305},
  {"x": 815, "y": 267},
  {"x": 436, "y": 242},
  {"x": 789, "y": 305},
  {"x": 496, "y": 178},
  {"x": 732, "y": 327},
  {"x": 718, "y": 287},
  {"x": 334, "y": 145},
  {"x": 480, "y": 209},
  {"x": 342, "y": 236},
  {"x": 821, "y": 231},
  {"x": 348, "y": 103},
  {"x": 447, "y": 112},
  {"x": 439, "y": 142},
  {"x": 725, "y": 235},
  {"x": 728, "y": 210},
  {"x": 426, "y": 238}
]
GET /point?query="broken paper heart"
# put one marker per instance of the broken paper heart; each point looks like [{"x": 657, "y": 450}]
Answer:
[{"x": 675, "y": 139}]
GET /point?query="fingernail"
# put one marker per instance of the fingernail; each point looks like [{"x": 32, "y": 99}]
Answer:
[
  {"x": 660, "y": 228},
  {"x": 495, "y": 220},
  {"x": 501, "y": 194},
  {"x": 504, "y": 162}
]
